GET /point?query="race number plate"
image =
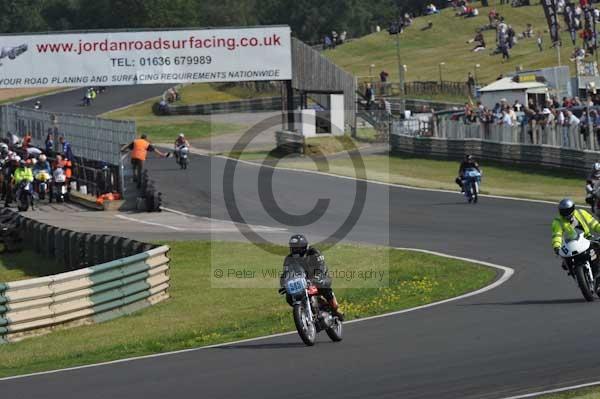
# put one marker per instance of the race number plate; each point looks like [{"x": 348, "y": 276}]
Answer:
[{"x": 295, "y": 286}]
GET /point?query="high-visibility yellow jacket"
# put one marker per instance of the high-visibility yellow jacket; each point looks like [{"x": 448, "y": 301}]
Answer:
[
  {"x": 561, "y": 227},
  {"x": 23, "y": 174}
]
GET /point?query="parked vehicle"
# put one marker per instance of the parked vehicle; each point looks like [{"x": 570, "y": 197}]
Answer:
[
  {"x": 42, "y": 183},
  {"x": 59, "y": 186},
  {"x": 24, "y": 196}
]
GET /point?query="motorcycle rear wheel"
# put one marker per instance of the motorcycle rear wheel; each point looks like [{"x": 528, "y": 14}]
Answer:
[
  {"x": 586, "y": 286},
  {"x": 306, "y": 328},
  {"x": 335, "y": 332}
]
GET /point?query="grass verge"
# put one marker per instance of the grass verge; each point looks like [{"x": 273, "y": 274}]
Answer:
[
  {"x": 23, "y": 265},
  {"x": 188, "y": 318},
  {"x": 585, "y": 393},
  {"x": 166, "y": 128},
  {"x": 514, "y": 181}
]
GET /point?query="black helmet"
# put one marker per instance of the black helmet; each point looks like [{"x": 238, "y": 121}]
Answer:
[
  {"x": 566, "y": 207},
  {"x": 468, "y": 157},
  {"x": 298, "y": 244}
]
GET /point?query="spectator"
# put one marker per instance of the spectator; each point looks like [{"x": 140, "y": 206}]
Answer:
[
  {"x": 67, "y": 150},
  {"x": 506, "y": 120},
  {"x": 342, "y": 38},
  {"x": 431, "y": 9},
  {"x": 517, "y": 106},
  {"x": 539, "y": 42},
  {"x": 49, "y": 145},
  {"x": 383, "y": 76},
  {"x": 470, "y": 82},
  {"x": 369, "y": 95}
]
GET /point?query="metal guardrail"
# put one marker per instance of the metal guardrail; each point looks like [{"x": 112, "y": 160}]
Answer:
[
  {"x": 91, "y": 138},
  {"x": 87, "y": 295},
  {"x": 253, "y": 105},
  {"x": 508, "y": 153}
]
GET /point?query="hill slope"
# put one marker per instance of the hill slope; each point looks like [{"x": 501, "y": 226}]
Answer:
[{"x": 422, "y": 51}]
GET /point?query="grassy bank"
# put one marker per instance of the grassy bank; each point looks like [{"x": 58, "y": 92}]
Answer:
[
  {"x": 23, "y": 265},
  {"x": 188, "y": 318},
  {"x": 422, "y": 51},
  {"x": 516, "y": 181}
]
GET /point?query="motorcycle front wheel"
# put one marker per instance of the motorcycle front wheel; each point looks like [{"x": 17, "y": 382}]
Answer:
[
  {"x": 583, "y": 281},
  {"x": 23, "y": 204},
  {"x": 305, "y": 327}
]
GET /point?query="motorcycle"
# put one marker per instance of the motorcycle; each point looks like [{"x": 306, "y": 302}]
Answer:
[
  {"x": 59, "y": 186},
  {"x": 578, "y": 256},
  {"x": 42, "y": 182},
  {"x": 311, "y": 311},
  {"x": 470, "y": 182},
  {"x": 593, "y": 196},
  {"x": 182, "y": 157},
  {"x": 24, "y": 196}
]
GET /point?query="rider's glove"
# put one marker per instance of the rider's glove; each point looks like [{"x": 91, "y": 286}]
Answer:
[{"x": 556, "y": 251}]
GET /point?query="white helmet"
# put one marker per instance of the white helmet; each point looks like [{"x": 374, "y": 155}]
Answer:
[
  {"x": 43, "y": 158},
  {"x": 596, "y": 167},
  {"x": 181, "y": 135},
  {"x": 3, "y": 147}
]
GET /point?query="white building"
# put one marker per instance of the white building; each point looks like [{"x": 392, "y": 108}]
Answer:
[{"x": 514, "y": 88}]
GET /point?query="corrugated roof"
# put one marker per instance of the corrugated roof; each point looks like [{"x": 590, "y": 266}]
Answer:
[{"x": 509, "y": 84}]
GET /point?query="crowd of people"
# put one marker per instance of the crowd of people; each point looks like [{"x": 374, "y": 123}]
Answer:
[
  {"x": 23, "y": 163},
  {"x": 570, "y": 112},
  {"x": 334, "y": 39}
]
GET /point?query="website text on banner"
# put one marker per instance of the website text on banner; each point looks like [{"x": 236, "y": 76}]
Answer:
[{"x": 125, "y": 58}]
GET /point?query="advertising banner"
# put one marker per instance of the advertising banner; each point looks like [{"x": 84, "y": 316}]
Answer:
[
  {"x": 551, "y": 17},
  {"x": 146, "y": 57},
  {"x": 570, "y": 21}
]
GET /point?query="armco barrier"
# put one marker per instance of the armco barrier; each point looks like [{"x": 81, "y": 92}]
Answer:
[
  {"x": 253, "y": 105},
  {"x": 523, "y": 154},
  {"x": 128, "y": 275}
]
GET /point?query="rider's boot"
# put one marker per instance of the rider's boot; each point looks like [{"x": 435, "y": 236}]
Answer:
[{"x": 335, "y": 308}]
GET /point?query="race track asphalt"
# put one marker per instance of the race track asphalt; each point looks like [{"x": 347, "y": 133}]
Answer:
[{"x": 532, "y": 333}]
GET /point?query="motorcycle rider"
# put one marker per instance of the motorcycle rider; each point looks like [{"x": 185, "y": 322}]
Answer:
[
  {"x": 22, "y": 173},
  {"x": 179, "y": 143},
  {"x": 591, "y": 182},
  {"x": 570, "y": 222},
  {"x": 467, "y": 163},
  {"x": 313, "y": 263}
]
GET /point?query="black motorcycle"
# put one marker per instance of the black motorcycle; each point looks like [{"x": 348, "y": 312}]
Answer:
[{"x": 24, "y": 196}]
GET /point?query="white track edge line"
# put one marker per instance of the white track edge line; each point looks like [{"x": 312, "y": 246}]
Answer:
[
  {"x": 189, "y": 215},
  {"x": 507, "y": 273},
  {"x": 149, "y": 223},
  {"x": 557, "y": 390}
]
